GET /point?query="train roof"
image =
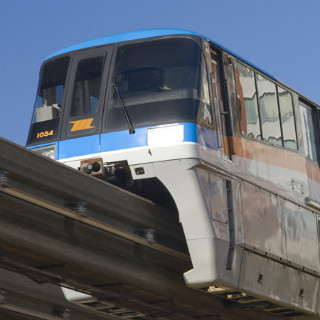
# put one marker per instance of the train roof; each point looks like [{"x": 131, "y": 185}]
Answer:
[
  {"x": 144, "y": 34},
  {"x": 126, "y": 36}
]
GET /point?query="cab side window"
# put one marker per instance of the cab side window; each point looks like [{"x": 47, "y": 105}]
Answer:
[
  {"x": 87, "y": 86},
  {"x": 84, "y": 101}
]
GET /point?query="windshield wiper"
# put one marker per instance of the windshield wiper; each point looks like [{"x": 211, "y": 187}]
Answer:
[{"x": 124, "y": 109}]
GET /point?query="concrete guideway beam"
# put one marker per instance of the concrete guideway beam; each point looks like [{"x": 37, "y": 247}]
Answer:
[{"x": 50, "y": 243}]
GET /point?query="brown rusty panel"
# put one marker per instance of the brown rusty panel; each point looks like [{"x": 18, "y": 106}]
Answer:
[
  {"x": 237, "y": 210},
  {"x": 301, "y": 229},
  {"x": 263, "y": 221},
  {"x": 214, "y": 192},
  {"x": 203, "y": 176},
  {"x": 318, "y": 301},
  {"x": 270, "y": 279},
  {"x": 221, "y": 230},
  {"x": 218, "y": 198}
]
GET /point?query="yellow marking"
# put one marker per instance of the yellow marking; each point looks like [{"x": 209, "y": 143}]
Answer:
[
  {"x": 44, "y": 134},
  {"x": 165, "y": 88},
  {"x": 82, "y": 124}
]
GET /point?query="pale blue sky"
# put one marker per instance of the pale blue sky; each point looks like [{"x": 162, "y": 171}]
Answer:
[{"x": 279, "y": 36}]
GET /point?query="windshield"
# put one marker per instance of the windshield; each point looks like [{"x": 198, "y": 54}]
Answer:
[
  {"x": 158, "y": 81},
  {"x": 151, "y": 82}
]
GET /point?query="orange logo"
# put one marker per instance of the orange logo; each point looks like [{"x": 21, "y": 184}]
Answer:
[{"x": 83, "y": 124}]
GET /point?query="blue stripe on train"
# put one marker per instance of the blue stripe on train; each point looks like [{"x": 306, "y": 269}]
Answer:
[
  {"x": 78, "y": 147},
  {"x": 113, "y": 141},
  {"x": 122, "y": 37}
]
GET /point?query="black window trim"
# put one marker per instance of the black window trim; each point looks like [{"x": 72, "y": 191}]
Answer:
[
  {"x": 316, "y": 126},
  {"x": 77, "y": 56},
  {"x": 294, "y": 118}
]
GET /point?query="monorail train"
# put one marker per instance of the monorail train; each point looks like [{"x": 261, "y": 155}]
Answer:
[{"x": 170, "y": 112}]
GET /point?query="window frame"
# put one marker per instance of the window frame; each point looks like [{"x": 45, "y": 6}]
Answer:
[
  {"x": 277, "y": 86},
  {"x": 66, "y": 133},
  {"x": 277, "y": 109},
  {"x": 240, "y": 107},
  {"x": 109, "y": 90},
  {"x": 53, "y": 131},
  {"x": 294, "y": 118},
  {"x": 314, "y": 116}
]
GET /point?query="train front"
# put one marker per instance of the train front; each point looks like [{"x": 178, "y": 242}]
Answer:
[
  {"x": 114, "y": 110},
  {"x": 139, "y": 110}
]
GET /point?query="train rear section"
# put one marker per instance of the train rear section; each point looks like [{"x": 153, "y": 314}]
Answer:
[{"x": 245, "y": 241}]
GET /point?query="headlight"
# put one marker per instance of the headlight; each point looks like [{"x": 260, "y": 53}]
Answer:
[
  {"x": 47, "y": 151},
  {"x": 165, "y": 135}
]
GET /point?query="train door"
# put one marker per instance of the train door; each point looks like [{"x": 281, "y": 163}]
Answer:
[
  {"x": 309, "y": 125},
  {"x": 83, "y": 113},
  {"x": 221, "y": 103}
]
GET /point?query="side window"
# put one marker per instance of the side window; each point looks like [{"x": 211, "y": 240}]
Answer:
[
  {"x": 247, "y": 96},
  {"x": 82, "y": 116},
  {"x": 51, "y": 91},
  {"x": 287, "y": 119},
  {"x": 45, "y": 125},
  {"x": 266, "y": 110},
  {"x": 87, "y": 87},
  {"x": 308, "y": 132},
  {"x": 269, "y": 111}
]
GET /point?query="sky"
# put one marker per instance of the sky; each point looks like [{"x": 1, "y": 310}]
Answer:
[{"x": 279, "y": 36}]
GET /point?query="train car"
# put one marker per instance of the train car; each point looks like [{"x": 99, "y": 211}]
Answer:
[{"x": 174, "y": 116}]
